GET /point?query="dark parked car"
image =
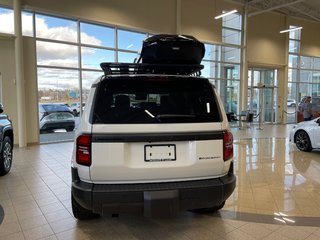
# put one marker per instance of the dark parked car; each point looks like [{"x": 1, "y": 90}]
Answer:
[
  {"x": 55, "y": 116},
  {"x": 6, "y": 143}
]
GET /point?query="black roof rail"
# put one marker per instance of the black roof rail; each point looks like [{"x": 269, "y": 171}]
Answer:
[{"x": 147, "y": 68}]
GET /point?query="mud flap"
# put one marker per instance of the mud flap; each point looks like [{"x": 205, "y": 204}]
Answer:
[{"x": 161, "y": 203}]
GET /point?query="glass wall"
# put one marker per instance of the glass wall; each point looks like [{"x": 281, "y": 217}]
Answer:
[
  {"x": 58, "y": 75},
  {"x": 231, "y": 29},
  {"x": 222, "y": 62},
  {"x": 6, "y": 21},
  {"x": 303, "y": 77},
  {"x": 69, "y": 53}
]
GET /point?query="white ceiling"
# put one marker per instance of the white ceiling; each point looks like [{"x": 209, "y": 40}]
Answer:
[{"x": 306, "y": 9}]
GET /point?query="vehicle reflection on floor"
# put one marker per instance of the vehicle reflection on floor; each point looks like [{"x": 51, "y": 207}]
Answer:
[{"x": 275, "y": 177}]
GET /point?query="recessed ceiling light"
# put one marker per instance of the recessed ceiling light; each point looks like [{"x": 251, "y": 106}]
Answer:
[
  {"x": 290, "y": 29},
  {"x": 225, "y": 14}
]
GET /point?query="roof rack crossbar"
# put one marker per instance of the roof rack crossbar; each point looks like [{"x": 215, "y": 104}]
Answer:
[{"x": 147, "y": 68}]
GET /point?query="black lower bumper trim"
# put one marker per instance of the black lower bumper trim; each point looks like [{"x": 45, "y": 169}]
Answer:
[{"x": 152, "y": 199}]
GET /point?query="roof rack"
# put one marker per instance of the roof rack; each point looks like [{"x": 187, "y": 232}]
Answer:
[{"x": 147, "y": 68}]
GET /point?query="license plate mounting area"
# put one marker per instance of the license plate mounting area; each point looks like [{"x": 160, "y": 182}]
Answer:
[{"x": 159, "y": 153}]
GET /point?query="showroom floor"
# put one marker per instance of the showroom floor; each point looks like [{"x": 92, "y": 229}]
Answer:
[{"x": 277, "y": 197}]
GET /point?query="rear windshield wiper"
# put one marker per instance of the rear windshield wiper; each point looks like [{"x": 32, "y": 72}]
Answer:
[
  {"x": 167, "y": 116},
  {"x": 164, "y": 116}
]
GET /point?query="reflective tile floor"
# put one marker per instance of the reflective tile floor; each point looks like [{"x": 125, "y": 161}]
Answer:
[{"x": 277, "y": 197}]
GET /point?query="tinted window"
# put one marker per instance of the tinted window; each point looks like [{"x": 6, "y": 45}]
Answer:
[
  {"x": 92, "y": 57},
  {"x": 55, "y": 28},
  {"x": 27, "y": 24},
  {"x": 131, "y": 41},
  {"x": 97, "y": 35},
  {"x": 57, "y": 54},
  {"x": 155, "y": 100},
  {"x": 6, "y": 20}
]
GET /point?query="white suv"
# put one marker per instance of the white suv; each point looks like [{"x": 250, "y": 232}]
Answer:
[{"x": 153, "y": 140}]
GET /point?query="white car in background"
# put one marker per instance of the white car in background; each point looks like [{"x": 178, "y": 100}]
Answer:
[
  {"x": 291, "y": 103},
  {"x": 75, "y": 107},
  {"x": 306, "y": 135}
]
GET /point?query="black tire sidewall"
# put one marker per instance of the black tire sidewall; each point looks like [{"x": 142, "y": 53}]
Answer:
[
  {"x": 309, "y": 147},
  {"x": 4, "y": 171}
]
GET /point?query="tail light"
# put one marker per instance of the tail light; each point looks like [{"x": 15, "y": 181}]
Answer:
[
  {"x": 83, "y": 150},
  {"x": 227, "y": 146}
]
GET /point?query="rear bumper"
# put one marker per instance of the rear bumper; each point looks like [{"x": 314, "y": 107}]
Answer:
[{"x": 152, "y": 199}]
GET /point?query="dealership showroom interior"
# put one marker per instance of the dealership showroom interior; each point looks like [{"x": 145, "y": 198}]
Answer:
[{"x": 261, "y": 58}]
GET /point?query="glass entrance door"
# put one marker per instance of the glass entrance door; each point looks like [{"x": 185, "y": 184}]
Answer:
[{"x": 262, "y": 94}]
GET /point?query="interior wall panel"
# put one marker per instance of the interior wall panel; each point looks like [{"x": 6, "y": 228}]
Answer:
[
  {"x": 265, "y": 44},
  {"x": 148, "y": 15},
  {"x": 310, "y": 36},
  {"x": 9, "y": 93},
  {"x": 30, "y": 78},
  {"x": 198, "y": 18}
]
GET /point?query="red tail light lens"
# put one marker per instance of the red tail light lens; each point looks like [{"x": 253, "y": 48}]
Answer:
[
  {"x": 83, "y": 150},
  {"x": 227, "y": 146}
]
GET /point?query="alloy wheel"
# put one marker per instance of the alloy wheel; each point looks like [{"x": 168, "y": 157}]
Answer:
[
  {"x": 7, "y": 155},
  {"x": 303, "y": 141}
]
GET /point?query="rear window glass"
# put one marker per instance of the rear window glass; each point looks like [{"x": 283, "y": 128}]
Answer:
[
  {"x": 56, "y": 108},
  {"x": 155, "y": 100}
]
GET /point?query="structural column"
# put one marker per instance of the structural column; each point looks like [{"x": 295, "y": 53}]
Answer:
[
  {"x": 178, "y": 17},
  {"x": 21, "y": 108},
  {"x": 244, "y": 62},
  {"x": 283, "y": 91}
]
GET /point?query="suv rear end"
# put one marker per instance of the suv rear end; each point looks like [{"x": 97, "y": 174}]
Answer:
[
  {"x": 55, "y": 116},
  {"x": 151, "y": 143}
]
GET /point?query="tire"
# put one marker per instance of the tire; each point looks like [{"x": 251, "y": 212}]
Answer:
[
  {"x": 210, "y": 209},
  {"x": 81, "y": 213},
  {"x": 6, "y": 156},
  {"x": 302, "y": 141}
]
